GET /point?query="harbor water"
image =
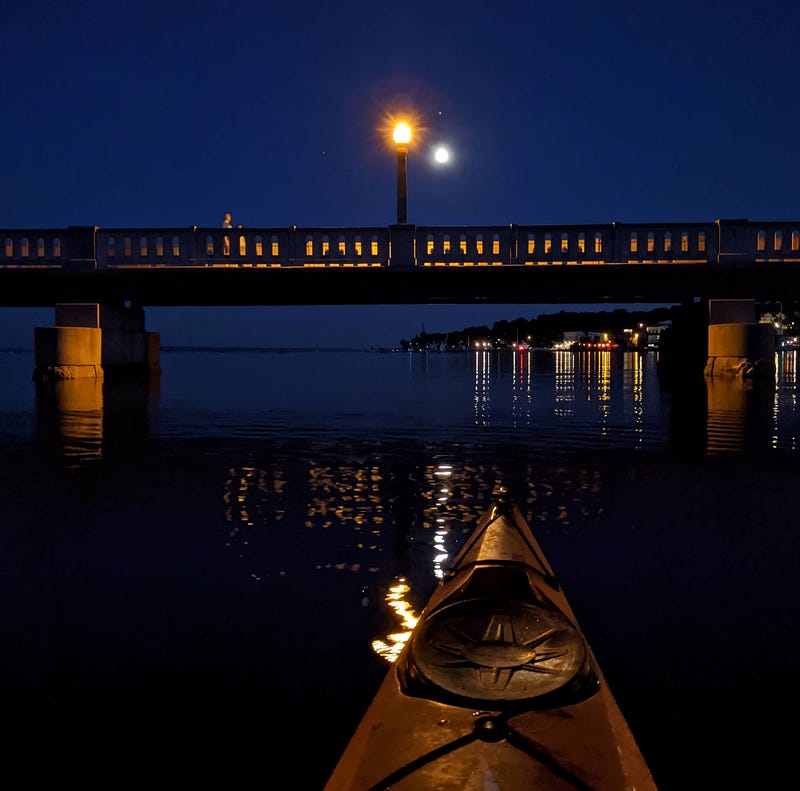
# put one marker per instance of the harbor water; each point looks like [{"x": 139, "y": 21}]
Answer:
[{"x": 207, "y": 573}]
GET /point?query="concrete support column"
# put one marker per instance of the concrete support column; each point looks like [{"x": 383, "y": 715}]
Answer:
[
  {"x": 67, "y": 353},
  {"x": 738, "y": 346},
  {"x": 89, "y": 339},
  {"x": 683, "y": 348}
]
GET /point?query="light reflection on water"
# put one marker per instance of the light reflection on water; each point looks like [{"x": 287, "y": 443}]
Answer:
[
  {"x": 555, "y": 398},
  {"x": 271, "y": 486},
  {"x": 390, "y": 646},
  {"x": 546, "y": 400},
  {"x": 71, "y": 414}
]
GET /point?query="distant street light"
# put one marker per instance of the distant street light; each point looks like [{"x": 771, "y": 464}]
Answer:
[{"x": 402, "y": 137}]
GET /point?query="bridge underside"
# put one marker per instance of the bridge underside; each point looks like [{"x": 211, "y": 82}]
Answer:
[{"x": 618, "y": 283}]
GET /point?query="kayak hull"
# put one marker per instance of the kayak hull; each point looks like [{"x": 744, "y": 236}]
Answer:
[{"x": 497, "y": 688}]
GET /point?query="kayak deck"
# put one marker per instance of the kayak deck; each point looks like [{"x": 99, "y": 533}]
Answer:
[{"x": 497, "y": 688}]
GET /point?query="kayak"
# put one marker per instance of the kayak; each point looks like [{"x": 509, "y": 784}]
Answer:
[{"x": 497, "y": 688}]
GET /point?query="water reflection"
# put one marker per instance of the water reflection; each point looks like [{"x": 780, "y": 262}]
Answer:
[
  {"x": 593, "y": 383},
  {"x": 567, "y": 398},
  {"x": 389, "y": 646},
  {"x": 442, "y": 553},
  {"x": 785, "y": 411},
  {"x": 522, "y": 389},
  {"x": 69, "y": 419},
  {"x": 739, "y": 416},
  {"x": 562, "y": 398},
  {"x": 589, "y": 385},
  {"x": 355, "y": 534},
  {"x": 564, "y": 383},
  {"x": 483, "y": 387},
  {"x": 633, "y": 390},
  {"x": 388, "y": 527},
  {"x": 80, "y": 422},
  {"x": 245, "y": 530}
]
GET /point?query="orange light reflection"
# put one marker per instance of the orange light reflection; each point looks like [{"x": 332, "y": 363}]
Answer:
[{"x": 391, "y": 647}]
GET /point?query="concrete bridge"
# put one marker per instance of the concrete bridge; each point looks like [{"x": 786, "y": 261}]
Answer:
[
  {"x": 401, "y": 246},
  {"x": 118, "y": 272}
]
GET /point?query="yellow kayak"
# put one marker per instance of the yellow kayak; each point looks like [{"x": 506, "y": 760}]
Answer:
[{"x": 497, "y": 689}]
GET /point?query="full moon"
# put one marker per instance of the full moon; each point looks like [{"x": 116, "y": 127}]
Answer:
[{"x": 441, "y": 155}]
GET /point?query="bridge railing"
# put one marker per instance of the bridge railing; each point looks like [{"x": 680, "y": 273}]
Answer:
[
  {"x": 429, "y": 246},
  {"x": 235, "y": 247},
  {"x": 551, "y": 245},
  {"x": 492, "y": 245},
  {"x": 44, "y": 248}
]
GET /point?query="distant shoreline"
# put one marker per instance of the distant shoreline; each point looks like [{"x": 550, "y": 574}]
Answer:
[
  {"x": 317, "y": 349},
  {"x": 268, "y": 349}
]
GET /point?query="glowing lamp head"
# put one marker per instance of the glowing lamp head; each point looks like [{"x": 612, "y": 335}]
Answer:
[{"x": 402, "y": 133}]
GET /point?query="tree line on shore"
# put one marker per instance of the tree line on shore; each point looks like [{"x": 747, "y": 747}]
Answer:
[
  {"x": 546, "y": 330},
  {"x": 541, "y": 332}
]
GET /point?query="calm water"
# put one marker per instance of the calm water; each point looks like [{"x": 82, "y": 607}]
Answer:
[{"x": 194, "y": 569}]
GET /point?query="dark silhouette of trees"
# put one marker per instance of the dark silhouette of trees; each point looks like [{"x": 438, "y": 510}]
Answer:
[{"x": 540, "y": 332}]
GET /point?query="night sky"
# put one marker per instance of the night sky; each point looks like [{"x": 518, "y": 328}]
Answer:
[{"x": 169, "y": 114}]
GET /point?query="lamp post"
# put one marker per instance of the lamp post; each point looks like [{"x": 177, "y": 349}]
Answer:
[{"x": 402, "y": 136}]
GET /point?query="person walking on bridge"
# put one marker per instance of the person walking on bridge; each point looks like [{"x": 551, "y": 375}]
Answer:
[{"x": 226, "y": 240}]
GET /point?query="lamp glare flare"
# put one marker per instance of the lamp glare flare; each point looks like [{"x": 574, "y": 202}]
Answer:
[{"x": 402, "y": 133}]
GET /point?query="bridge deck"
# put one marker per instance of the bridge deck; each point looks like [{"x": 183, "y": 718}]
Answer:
[
  {"x": 644, "y": 283},
  {"x": 401, "y": 264}
]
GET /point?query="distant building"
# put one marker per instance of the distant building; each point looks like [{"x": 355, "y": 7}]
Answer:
[{"x": 654, "y": 333}]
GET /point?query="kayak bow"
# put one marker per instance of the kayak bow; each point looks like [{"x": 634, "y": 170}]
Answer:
[{"x": 497, "y": 688}]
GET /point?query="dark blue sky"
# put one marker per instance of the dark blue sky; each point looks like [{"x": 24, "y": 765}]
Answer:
[{"x": 169, "y": 114}]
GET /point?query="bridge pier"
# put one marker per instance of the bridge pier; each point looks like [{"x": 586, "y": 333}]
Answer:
[
  {"x": 715, "y": 338},
  {"x": 738, "y": 345},
  {"x": 91, "y": 339},
  {"x": 683, "y": 348}
]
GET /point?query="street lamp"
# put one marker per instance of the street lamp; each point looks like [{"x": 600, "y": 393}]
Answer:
[{"x": 402, "y": 136}]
